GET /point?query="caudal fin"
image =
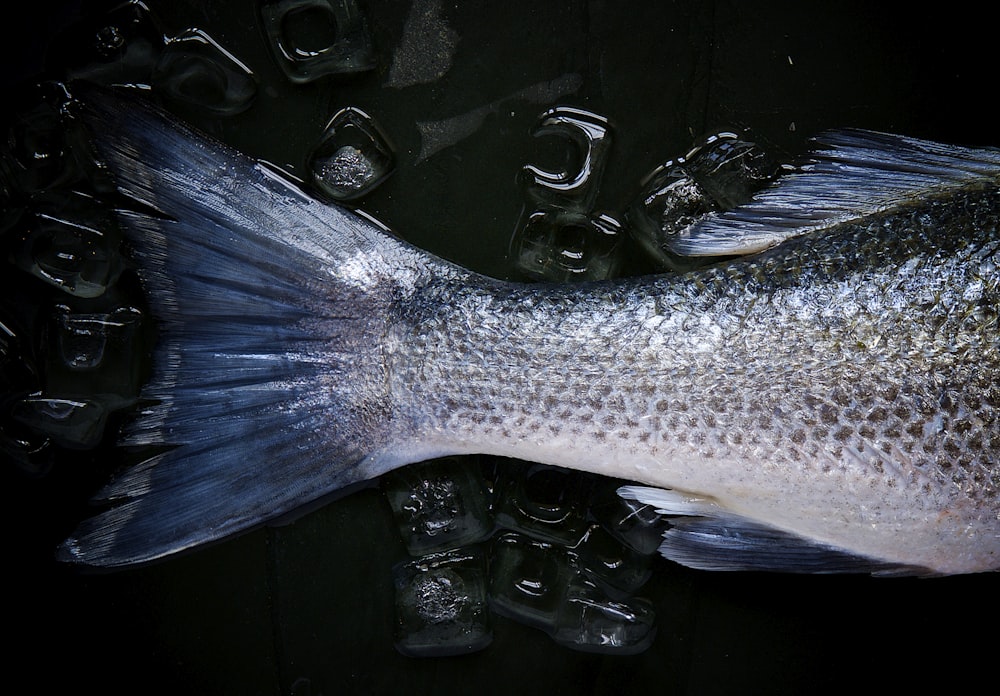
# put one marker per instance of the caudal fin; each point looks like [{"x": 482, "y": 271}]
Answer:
[{"x": 269, "y": 386}]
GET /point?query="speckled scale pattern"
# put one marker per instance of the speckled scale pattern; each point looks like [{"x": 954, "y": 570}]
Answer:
[{"x": 842, "y": 386}]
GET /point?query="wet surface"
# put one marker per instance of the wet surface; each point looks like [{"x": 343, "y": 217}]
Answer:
[{"x": 459, "y": 92}]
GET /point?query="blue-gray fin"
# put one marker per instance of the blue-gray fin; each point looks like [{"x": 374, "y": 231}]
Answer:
[
  {"x": 267, "y": 341},
  {"x": 706, "y": 536},
  {"x": 849, "y": 175}
]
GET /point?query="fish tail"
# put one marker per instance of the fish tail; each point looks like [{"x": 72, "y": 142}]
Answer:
[{"x": 269, "y": 387}]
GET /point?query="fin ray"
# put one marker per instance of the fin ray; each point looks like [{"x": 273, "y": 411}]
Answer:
[
  {"x": 849, "y": 175},
  {"x": 268, "y": 387},
  {"x": 706, "y": 536}
]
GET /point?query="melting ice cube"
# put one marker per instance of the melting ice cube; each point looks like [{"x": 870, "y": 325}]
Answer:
[
  {"x": 441, "y": 606},
  {"x": 439, "y": 504},
  {"x": 314, "y": 38},
  {"x": 352, "y": 157},
  {"x": 194, "y": 69}
]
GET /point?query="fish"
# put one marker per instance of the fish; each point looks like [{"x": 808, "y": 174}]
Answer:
[{"x": 824, "y": 397}]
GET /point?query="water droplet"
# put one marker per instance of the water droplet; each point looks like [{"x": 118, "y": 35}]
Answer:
[{"x": 314, "y": 38}]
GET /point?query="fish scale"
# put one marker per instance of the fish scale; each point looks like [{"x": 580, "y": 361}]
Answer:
[
  {"x": 789, "y": 377},
  {"x": 826, "y": 402}
]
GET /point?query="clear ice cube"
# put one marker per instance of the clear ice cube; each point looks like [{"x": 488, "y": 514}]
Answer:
[
  {"x": 314, "y": 38},
  {"x": 18, "y": 379},
  {"x": 618, "y": 569},
  {"x": 75, "y": 423},
  {"x": 635, "y": 524},
  {"x": 439, "y": 504},
  {"x": 12, "y": 207},
  {"x": 560, "y": 245},
  {"x": 590, "y": 621},
  {"x": 441, "y": 604},
  {"x": 352, "y": 156},
  {"x": 194, "y": 69},
  {"x": 95, "y": 353},
  {"x": 671, "y": 201},
  {"x": 38, "y": 148},
  {"x": 721, "y": 173},
  {"x": 575, "y": 185},
  {"x": 118, "y": 47},
  {"x": 731, "y": 168},
  {"x": 528, "y": 580},
  {"x": 543, "y": 502},
  {"x": 70, "y": 242}
]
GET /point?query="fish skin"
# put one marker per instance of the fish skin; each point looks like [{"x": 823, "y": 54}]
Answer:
[{"x": 840, "y": 388}]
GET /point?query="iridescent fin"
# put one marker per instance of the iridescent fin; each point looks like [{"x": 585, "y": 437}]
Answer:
[
  {"x": 706, "y": 536},
  {"x": 850, "y": 175},
  {"x": 268, "y": 389}
]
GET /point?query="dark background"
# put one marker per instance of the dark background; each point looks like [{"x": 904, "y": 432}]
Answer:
[{"x": 307, "y": 608}]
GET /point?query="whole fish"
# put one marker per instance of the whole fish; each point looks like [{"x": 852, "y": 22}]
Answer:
[{"x": 827, "y": 402}]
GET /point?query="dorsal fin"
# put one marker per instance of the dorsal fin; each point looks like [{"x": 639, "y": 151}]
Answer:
[{"x": 851, "y": 174}]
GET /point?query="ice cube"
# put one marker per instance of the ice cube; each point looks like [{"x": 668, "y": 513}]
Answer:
[
  {"x": 95, "y": 353},
  {"x": 39, "y": 149},
  {"x": 118, "y": 47},
  {"x": 544, "y": 502},
  {"x": 441, "y": 605},
  {"x": 75, "y": 423},
  {"x": 439, "y": 504},
  {"x": 559, "y": 245},
  {"x": 194, "y": 69},
  {"x": 722, "y": 172},
  {"x": 619, "y": 570},
  {"x": 70, "y": 241},
  {"x": 528, "y": 580},
  {"x": 314, "y": 38},
  {"x": 574, "y": 186},
  {"x": 635, "y": 524},
  {"x": 352, "y": 157},
  {"x": 588, "y": 620},
  {"x": 731, "y": 168},
  {"x": 18, "y": 378}
]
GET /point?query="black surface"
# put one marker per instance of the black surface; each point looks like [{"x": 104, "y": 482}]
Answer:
[{"x": 307, "y": 609}]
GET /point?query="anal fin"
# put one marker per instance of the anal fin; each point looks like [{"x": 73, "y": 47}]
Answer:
[{"x": 706, "y": 536}]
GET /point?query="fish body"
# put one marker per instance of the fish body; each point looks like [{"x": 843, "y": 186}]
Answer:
[{"x": 828, "y": 403}]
